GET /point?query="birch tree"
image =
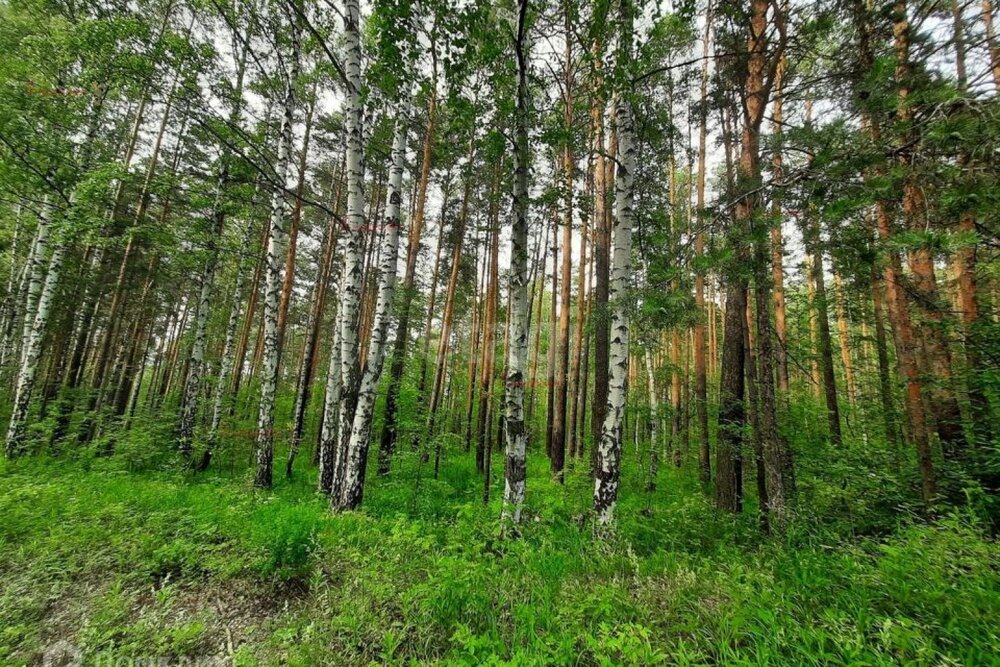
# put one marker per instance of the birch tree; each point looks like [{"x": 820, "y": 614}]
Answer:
[
  {"x": 350, "y": 281},
  {"x": 31, "y": 348},
  {"x": 192, "y": 383},
  {"x": 360, "y": 437},
  {"x": 515, "y": 468},
  {"x": 273, "y": 277},
  {"x": 608, "y": 470}
]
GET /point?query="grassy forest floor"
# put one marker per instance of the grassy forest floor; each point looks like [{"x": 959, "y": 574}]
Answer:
[{"x": 124, "y": 556}]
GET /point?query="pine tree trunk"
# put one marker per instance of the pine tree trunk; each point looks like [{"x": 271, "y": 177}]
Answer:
[
  {"x": 432, "y": 299},
  {"x": 560, "y": 416},
  {"x": 478, "y": 306},
  {"x": 488, "y": 361},
  {"x": 884, "y": 381},
  {"x": 991, "y": 42},
  {"x": 700, "y": 371},
  {"x": 602, "y": 253},
  {"x": 942, "y": 400},
  {"x": 777, "y": 244},
  {"x": 303, "y": 385},
  {"x": 440, "y": 365},
  {"x": 844, "y": 338}
]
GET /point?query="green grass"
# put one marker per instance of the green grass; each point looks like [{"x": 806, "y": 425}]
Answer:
[{"x": 160, "y": 563}]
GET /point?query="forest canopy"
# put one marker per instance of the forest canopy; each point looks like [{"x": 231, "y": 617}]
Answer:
[{"x": 499, "y": 332}]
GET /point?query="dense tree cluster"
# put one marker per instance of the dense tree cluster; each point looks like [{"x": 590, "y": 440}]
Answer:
[{"x": 570, "y": 230}]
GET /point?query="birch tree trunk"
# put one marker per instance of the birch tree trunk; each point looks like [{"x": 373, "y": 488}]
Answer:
[
  {"x": 608, "y": 470},
  {"x": 31, "y": 352},
  {"x": 35, "y": 268},
  {"x": 516, "y": 437},
  {"x": 273, "y": 279},
  {"x": 350, "y": 287},
  {"x": 387, "y": 441},
  {"x": 329, "y": 433},
  {"x": 360, "y": 438},
  {"x": 192, "y": 383},
  {"x": 654, "y": 422},
  {"x": 226, "y": 363}
]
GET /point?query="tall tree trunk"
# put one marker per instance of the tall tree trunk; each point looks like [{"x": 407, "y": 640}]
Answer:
[
  {"x": 777, "y": 244},
  {"x": 553, "y": 346},
  {"x": 35, "y": 272},
  {"x": 432, "y": 300},
  {"x": 31, "y": 350},
  {"x": 700, "y": 371},
  {"x": 896, "y": 298},
  {"x": 226, "y": 362},
  {"x": 387, "y": 442},
  {"x": 825, "y": 340},
  {"x": 243, "y": 347},
  {"x": 488, "y": 362},
  {"x": 654, "y": 422},
  {"x": 343, "y": 495},
  {"x": 273, "y": 280},
  {"x": 539, "y": 282},
  {"x": 602, "y": 252},
  {"x": 991, "y": 42},
  {"x": 772, "y": 477},
  {"x": 360, "y": 438},
  {"x": 478, "y": 309},
  {"x": 303, "y": 387},
  {"x": 610, "y": 447},
  {"x": 330, "y": 430},
  {"x": 515, "y": 458},
  {"x": 294, "y": 222},
  {"x": 560, "y": 416},
  {"x": 942, "y": 400},
  {"x": 884, "y": 381},
  {"x": 844, "y": 338},
  {"x": 444, "y": 341}
]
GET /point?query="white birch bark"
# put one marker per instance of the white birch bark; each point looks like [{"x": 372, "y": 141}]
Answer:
[
  {"x": 331, "y": 410},
  {"x": 350, "y": 287},
  {"x": 360, "y": 438},
  {"x": 515, "y": 435},
  {"x": 226, "y": 364},
  {"x": 654, "y": 421},
  {"x": 274, "y": 265},
  {"x": 610, "y": 447},
  {"x": 35, "y": 268},
  {"x": 31, "y": 352},
  {"x": 192, "y": 384}
]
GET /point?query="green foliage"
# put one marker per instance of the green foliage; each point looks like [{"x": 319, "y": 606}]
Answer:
[{"x": 161, "y": 563}]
